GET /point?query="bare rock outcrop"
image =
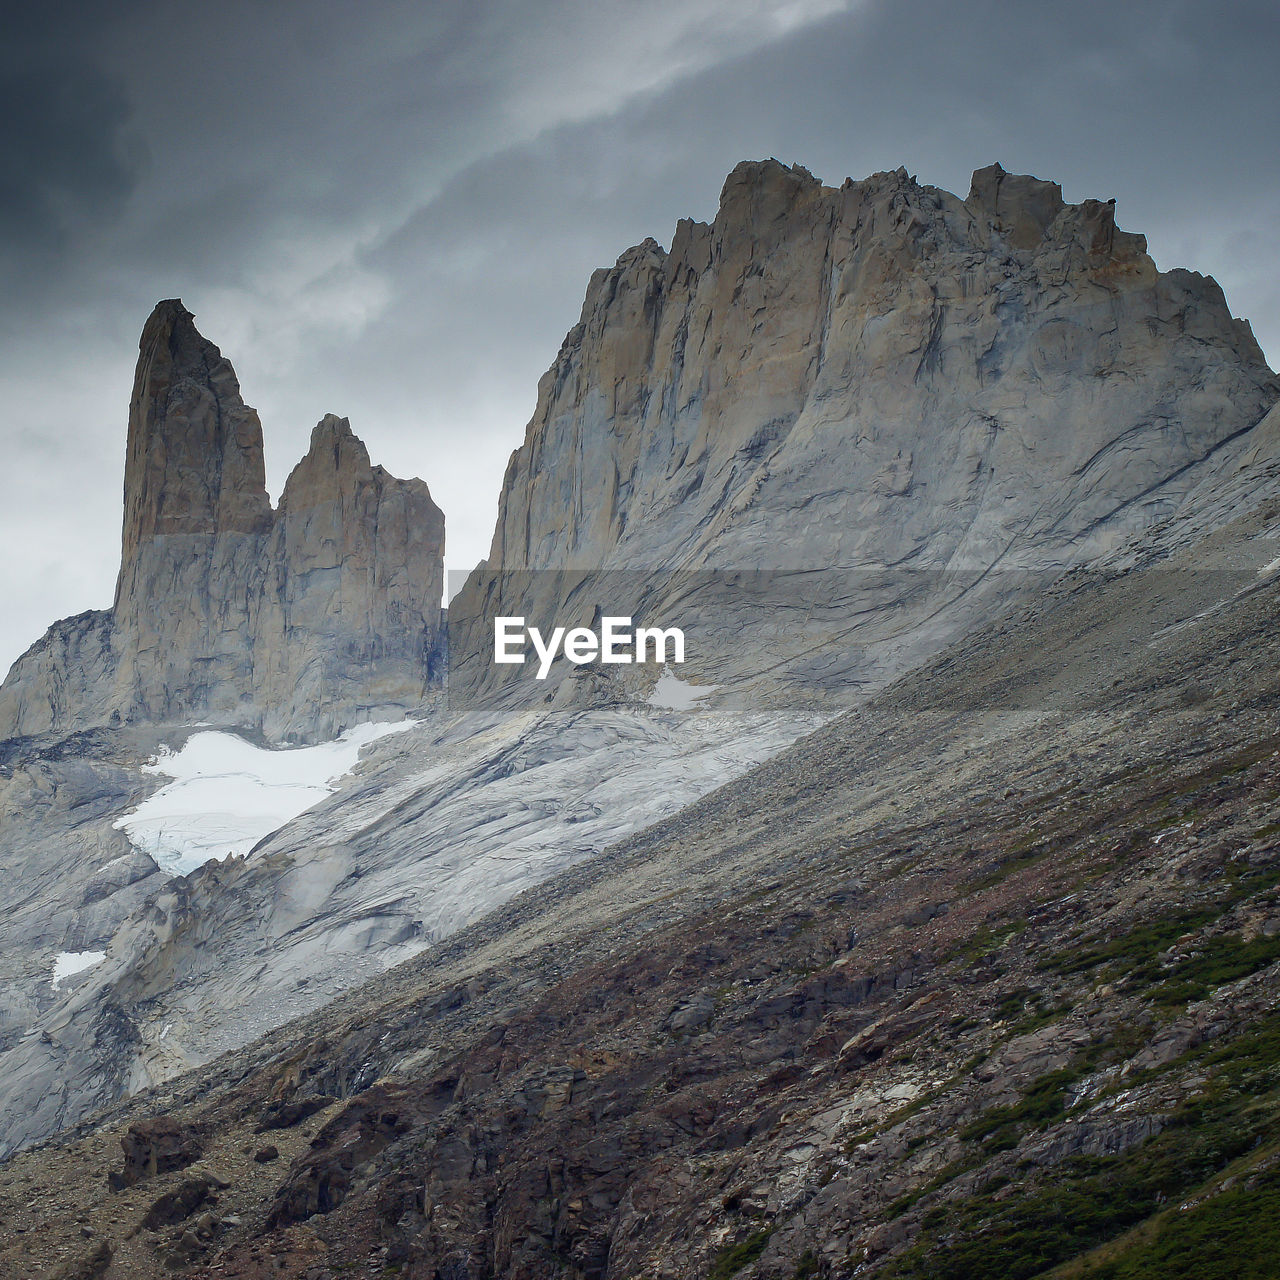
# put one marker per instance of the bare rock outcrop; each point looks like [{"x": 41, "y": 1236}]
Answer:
[
  {"x": 196, "y": 518},
  {"x": 156, "y": 1145},
  {"x": 918, "y": 403},
  {"x": 68, "y": 674},
  {"x": 298, "y": 622},
  {"x": 358, "y": 577},
  {"x": 894, "y": 351},
  {"x": 924, "y": 398}
]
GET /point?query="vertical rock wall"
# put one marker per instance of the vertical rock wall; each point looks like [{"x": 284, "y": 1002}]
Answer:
[
  {"x": 921, "y": 397},
  {"x": 299, "y": 622}
]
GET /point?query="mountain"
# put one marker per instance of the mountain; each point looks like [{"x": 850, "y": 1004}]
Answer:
[
  {"x": 980, "y": 979},
  {"x": 298, "y": 622},
  {"x": 916, "y": 404},
  {"x": 973, "y": 472}
]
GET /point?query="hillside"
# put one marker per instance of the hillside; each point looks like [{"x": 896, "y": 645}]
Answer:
[
  {"x": 1012, "y": 924},
  {"x": 923, "y": 924}
]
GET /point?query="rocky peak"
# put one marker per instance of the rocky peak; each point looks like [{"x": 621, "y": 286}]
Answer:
[
  {"x": 334, "y": 463},
  {"x": 875, "y": 375},
  {"x": 761, "y": 204},
  {"x": 759, "y": 192},
  {"x": 336, "y": 478},
  {"x": 805, "y": 304},
  {"x": 298, "y": 622},
  {"x": 1018, "y": 206},
  {"x": 1030, "y": 214},
  {"x": 194, "y": 460},
  {"x": 358, "y": 559}
]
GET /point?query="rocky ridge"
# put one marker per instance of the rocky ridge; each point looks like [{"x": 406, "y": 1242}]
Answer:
[
  {"x": 931, "y": 402},
  {"x": 941, "y": 311},
  {"x": 297, "y": 623}
]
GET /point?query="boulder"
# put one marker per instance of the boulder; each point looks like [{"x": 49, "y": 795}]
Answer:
[{"x": 157, "y": 1145}]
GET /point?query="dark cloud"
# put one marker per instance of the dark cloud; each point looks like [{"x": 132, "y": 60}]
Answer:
[
  {"x": 391, "y": 210},
  {"x": 65, "y": 157}
]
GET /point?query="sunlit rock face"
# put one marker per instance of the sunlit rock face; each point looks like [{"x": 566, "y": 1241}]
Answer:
[
  {"x": 299, "y": 622},
  {"x": 926, "y": 396}
]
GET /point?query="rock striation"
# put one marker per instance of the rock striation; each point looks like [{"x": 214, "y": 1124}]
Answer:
[
  {"x": 298, "y": 622},
  {"x": 925, "y": 394}
]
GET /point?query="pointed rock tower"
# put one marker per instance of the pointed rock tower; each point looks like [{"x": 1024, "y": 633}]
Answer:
[
  {"x": 299, "y": 623},
  {"x": 196, "y": 521},
  {"x": 358, "y": 575}
]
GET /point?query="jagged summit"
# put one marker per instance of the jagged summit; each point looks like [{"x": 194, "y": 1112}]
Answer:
[
  {"x": 194, "y": 461},
  {"x": 892, "y": 316},
  {"x": 1020, "y": 208},
  {"x": 299, "y": 621},
  {"x": 930, "y": 406},
  {"x": 333, "y": 432},
  {"x": 872, "y": 377}
]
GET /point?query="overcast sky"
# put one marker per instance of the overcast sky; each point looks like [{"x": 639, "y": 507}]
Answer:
[{"x": 390, "y": 210}]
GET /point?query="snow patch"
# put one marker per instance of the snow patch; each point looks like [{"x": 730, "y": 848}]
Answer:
[
  {"x": 67, "y": 963},
  {"x": 678, "y": 695},
  {"x": 227, "y": 794}
]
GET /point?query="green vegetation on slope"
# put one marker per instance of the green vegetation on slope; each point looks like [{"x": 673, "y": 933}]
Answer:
[
  {"x": 1231, "y": 1236},
  {"x": 729, "y": 1261},
  {"x": 1216, "y": 962},
  {"x": 1087, "y": 1201}
]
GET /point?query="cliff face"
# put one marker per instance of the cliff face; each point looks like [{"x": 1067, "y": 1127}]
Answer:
[
  {"x": 902, "y": 392},
  {"x": 357, "y": 575},
  {"x": 935, "y": 378},
  {"x": 196, "y": 520},
  {"x": 193, "y": 461},
  {"x": 877, "y": 379},
  {"x": 298, "y": 622}
]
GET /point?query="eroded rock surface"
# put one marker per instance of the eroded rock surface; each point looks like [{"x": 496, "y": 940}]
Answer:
[
  {"x": 439, "y": 825},
  {"x": 157, "y": 1145},
  {"x": 299, "y": 622},
  {"x": 930, "y": 400},
  {"x": 752, "y": 1032},
  {"x": 938, "y": 403},
  {"x": 290, "y": 624}
]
